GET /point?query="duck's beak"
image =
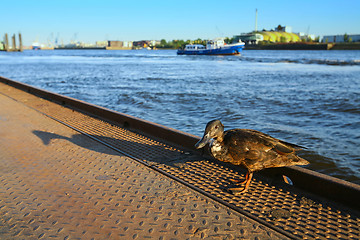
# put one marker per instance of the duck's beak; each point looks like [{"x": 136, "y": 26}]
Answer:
[{"x": 205, "y": 139}]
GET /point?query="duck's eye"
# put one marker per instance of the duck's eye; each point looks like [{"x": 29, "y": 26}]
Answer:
[{"x": 216, "y": 127}]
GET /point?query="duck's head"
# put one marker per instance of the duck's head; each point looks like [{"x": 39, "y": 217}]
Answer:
[{"x": 214, "y": 130}]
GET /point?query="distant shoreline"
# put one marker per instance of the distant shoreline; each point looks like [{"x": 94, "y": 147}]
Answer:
[{"x": 270, "y": 46}]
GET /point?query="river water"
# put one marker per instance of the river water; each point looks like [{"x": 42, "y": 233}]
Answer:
[{"x": 310, "y": 98}]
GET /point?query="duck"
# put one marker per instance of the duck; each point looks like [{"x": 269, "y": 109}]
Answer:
[{"x": 248, "y": 148}]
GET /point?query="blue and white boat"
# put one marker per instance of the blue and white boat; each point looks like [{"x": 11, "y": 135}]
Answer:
[
  {"x": 213, "y": 47},
  {"x": 36, "y": 46}
]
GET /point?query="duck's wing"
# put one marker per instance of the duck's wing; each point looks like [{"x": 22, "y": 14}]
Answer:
[
  {"x": 246, "y": 145},
  {"x": 256, "y": 150},
  {"x": 276, "y": 143}
]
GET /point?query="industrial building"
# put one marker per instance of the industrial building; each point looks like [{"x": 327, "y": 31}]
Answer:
[
  {"x": 341, "y": 38},
  {"x": 119, "y": 45},
  {"x": 280, "y": 34}
]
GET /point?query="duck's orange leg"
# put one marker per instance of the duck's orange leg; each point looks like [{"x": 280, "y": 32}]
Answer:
[{"x": 239, "y": 190}]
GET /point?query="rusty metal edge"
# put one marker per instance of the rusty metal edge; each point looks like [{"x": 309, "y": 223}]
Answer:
[{"x": 338, "y": 190}]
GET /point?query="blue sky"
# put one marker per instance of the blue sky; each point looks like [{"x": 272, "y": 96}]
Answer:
[{"x": 90, "y": 20}]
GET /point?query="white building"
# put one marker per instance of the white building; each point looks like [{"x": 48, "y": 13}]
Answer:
[{"x": 306, "y": 37}]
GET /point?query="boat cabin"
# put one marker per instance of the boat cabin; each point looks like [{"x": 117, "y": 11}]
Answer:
[
  {"x": 217, "y": 43},
  {"x": 195, "y": 47}
]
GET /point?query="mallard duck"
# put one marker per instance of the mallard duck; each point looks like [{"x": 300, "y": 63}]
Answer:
[{"x": 252, "y": 149}]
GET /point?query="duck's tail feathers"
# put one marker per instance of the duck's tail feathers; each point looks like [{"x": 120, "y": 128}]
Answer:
[{"x": 296, "y": 160}]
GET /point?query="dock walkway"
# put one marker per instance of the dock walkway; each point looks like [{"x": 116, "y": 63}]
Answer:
[{"x": 66, "y": 174}]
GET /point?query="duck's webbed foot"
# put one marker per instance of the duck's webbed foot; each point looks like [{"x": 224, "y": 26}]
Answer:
[
  {"x": 240, "y": 190},
  {"x": 236, "y": 190}
]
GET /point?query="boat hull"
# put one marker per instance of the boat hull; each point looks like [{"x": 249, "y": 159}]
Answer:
[{"x": 226, "y": 50}]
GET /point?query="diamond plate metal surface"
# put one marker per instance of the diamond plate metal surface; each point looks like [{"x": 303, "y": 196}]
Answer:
[{"x": 281, "y": 207}]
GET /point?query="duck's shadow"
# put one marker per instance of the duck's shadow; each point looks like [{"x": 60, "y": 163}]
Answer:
[{"x": 150, "y": 152}]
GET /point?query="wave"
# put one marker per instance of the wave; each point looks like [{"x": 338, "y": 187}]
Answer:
[{"x": 331, "y": 62}]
